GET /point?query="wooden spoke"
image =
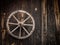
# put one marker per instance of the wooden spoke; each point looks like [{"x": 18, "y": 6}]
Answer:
[
  {"x": 25, "y": 30},
  {"x": 14, "y": 29},
  {"x": 26, "y": 19},
  {"x": 20, "y": 32},
  {"x": 16, "y": 19},
  {"x": 28, "y": 24},
  {"x": 13, "y": 23}
]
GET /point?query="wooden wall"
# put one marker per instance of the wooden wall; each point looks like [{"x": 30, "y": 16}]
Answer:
[{"x": 46, "y": 15}]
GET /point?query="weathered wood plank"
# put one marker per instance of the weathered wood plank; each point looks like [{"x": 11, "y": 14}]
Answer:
[{"x": 44, "y": 22}]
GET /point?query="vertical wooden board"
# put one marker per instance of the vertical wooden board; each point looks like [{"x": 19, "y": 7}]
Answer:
[
  {"x": 57, "y": 16},
  {"x": 51, "y": 23}
]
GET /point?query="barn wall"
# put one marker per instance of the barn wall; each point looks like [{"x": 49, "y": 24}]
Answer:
[{"x": 46, "y": 15}]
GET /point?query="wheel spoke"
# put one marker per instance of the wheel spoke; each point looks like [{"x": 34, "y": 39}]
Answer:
[
  {"x": 16, "y": 19},
  {"x": 28, "y": 24},
  {"x": 25, "y": 30},
  {"x": 14, "y": 29},
  {"x": 13, "y": 23},
  {"x": 26, "y": 19},
  {"x": 20, "y": 32}
]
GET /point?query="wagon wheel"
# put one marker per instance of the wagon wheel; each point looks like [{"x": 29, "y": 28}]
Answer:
[{"x": 20, "y": 24}]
